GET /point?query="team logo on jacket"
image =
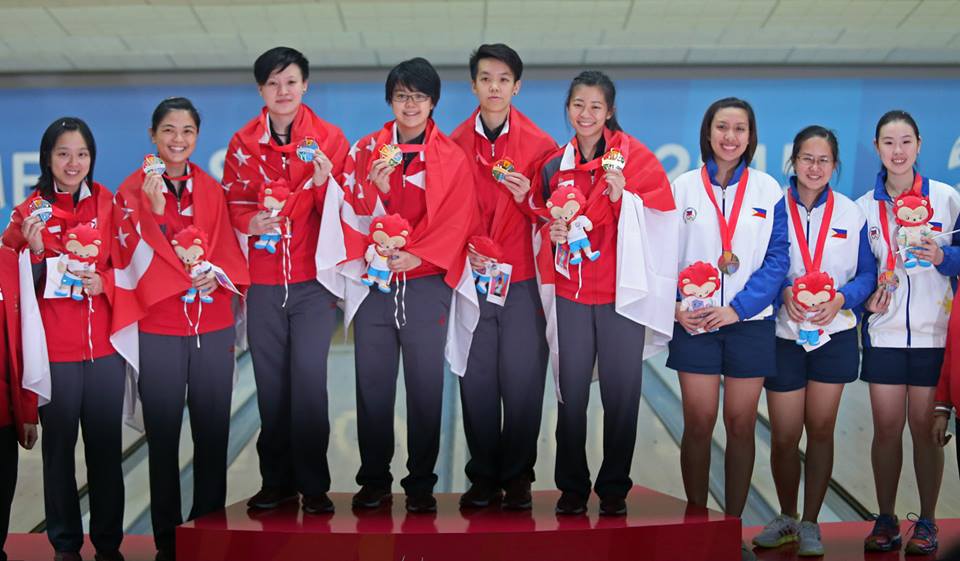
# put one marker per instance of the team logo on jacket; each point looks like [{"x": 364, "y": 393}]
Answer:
[
  {"x": 689, "y": 214},
  {"x": 874, "y": 233}
]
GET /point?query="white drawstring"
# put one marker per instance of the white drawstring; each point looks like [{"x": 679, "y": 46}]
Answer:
[
  {"x": 579, "y": 280},
  {"x": 194, "y": 326},
  {"x": 399, "y": 301},
  {"x": 90, "y": 325},
  {"x": 285, "y": 263}
]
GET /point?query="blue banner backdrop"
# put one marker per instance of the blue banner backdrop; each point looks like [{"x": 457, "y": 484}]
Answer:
[{"x": 664, "y": 114}]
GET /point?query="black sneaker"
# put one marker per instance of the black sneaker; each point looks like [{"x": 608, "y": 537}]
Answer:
[
  {"x": 371, "y": 497},
  {"x": 317, "y": 504},
  {"x": 480, "y": 495},
  {"x": 421, "y": 502},
  {"x": 268, "y": 498},
  {"x": 571, "y": 503},
  {"x": 114, "y": 555},
  {"x": 67, "y": 556},
  {"x": 518, "y": 495},
  {"x": 165, "y": 554},
  {"x": 613, "y": 506}
]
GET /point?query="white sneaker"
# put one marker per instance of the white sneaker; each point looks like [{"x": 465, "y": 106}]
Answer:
[
  {"x": 781, "y": 530},
  {"x": 810, "y": 544}
]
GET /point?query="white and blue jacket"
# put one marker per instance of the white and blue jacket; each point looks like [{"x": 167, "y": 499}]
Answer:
[
  {"x": 847, "y": 257},
  {"x": 760, "y": 240},
  {"x": 918, "y": 314}
]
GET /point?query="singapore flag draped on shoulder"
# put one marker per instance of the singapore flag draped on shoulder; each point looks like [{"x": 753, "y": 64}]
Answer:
[
  {"x": 438, "y": 238},
  {"x": 647, "y": 243},
  {"x": 148, "y": 271},
  {"x": 36, "y": 361}
]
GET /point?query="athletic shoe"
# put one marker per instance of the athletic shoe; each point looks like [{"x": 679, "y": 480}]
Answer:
[
  {"x": 781, "y": 530},
  {"x": 114, "y": 555},
  {"x": 371, "y": 497},
  {"x": 571, "y": 503},
  {"x": 268, "y": 498},
  {"x": 924, "y": 538},
  {"x": 613, "y": 506},
  {"x": 517, "y": 495},
  {"x": 885, "y": 535},
  {"x": 480, "y": 495},
  {"x": 67, "y": 556},
  {"x": 810, "y": 544},
  {"x": 421, "y": 502},
  {"x": 317, "y": 504}
]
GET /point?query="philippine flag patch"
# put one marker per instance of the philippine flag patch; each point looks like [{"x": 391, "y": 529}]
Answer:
[
  {"x": 760, "y": 212},
  {"x": 936, "y": 226},
  {"x": 838, "y": 233}
]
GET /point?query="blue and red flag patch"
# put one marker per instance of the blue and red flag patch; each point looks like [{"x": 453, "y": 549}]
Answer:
[
  {"x": 839, "y": 233},
  {"x": 936, "y": 226},
  {"x": 760, "y": 212}
]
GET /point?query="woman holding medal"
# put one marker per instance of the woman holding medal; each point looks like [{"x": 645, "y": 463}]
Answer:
[
  {"x": 185, "y": 348},
  {"x": 608, "y": 170},
  {"x": 825, "y": 251},
  {"x": 86, "y": 375},
  {"x": 291, "y": 315},
  {"x": 508, "y": 357},
  {"x": 906, "y": 330},
  {"x": 407, "y": 168},
  {"x": 735, "y": 217}
]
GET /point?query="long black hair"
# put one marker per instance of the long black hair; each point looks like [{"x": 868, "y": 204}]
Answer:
[
  {"x": 57, "y": 128},
  {"x": 706, "y": 150},
  {"x": 602, "y": 81}
]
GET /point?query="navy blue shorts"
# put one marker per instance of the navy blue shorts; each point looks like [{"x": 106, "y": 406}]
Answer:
[
  {"x": 740, "y": 350},
  {"x": 902, "y": 367},
  {"x": 836, "y": 362}
]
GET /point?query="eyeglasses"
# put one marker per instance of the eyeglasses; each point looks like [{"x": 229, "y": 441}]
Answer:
[
  {"x": 417, "y": 97},
  {"x": 808, "y": 161}
]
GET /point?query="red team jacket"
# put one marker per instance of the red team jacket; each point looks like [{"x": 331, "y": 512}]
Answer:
[
  {"x": 253, "y": 157},
  {"x": 17, "y": 405},
  {"x": 501, "y": 218}
]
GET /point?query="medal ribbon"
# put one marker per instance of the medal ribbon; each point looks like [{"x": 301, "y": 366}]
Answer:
[
  {"x": 885, "y": 226},
  {"x": 726, "y": 229},
  {"x": 184, "y": 177},
  {"x": 809, "y": 264}
]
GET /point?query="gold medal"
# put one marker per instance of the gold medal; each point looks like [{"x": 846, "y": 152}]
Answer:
[
  {"x": 613, "y": 160},
  {"x": 392, "y": 154},
  {"x": 728, "y": 263},
  {"x": 889, "y": 281},
  {"x": 501, "y": 168}
]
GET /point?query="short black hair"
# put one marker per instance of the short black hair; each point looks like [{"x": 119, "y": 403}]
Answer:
[
  {"x": 416, "y": 74},
  {"x": 279, "y": 58},
  {"x": 497, "y": 51},
  {"x": 706, "y": 151},
  {"x": 174, "y": 104},
  {"x": 49, "y": 140}
]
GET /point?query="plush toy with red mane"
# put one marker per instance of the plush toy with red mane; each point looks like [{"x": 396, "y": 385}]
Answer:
[
  {"x": 388, "y": 234},
  {"x": 192, "y": 245},
  {"x": 567, "y": 204},
  {"x": 697, "y": 284},
  {"x": 812, "y": 289},
  {"x": 82, "y": 249},
  {"x": 271, "y": 199},
  {"x": 913, "y": 213}
]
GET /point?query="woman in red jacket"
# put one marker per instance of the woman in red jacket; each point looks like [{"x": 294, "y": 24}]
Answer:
[
  {"x": 186, "y": 346},
  {"x": 18, "y": 406},
  {"x": 86, "y": 375}
]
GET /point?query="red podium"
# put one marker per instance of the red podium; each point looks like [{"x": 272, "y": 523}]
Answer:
[{"x": 657, "y": 528}]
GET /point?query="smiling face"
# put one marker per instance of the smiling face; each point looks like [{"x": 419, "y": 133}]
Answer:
[
  {"x": 283, "y": 91},
  {"x": 70, "y": 161},
  {"x": 588, "y": 111},
  {"x": 175, "y": 137},
  {"x": 411, "y": 109},
  {"x": 729, "y": 134},
  {"x": 898, "y": 147},
  {"x": 814, "y": 164},
  {"x": 912, "y": 211},
  {"x": 495, "y": 85}
]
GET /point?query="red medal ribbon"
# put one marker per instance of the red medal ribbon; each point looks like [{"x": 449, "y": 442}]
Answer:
[
  {"x": 184, "y": 177},
  {"x": 809, "y": 264},
  {"x": 726, "y": 229},
  {"x": 885, "y": 227}
]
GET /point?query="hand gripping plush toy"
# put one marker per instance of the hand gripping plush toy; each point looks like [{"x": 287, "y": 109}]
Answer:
[
  {"x": 697, "y": 284},
  {"x": 566, "y": 203},
  {"x": 82, "y": 245},
  {"x": 190, "y": 245},
  {"x": 387, "y": 235},
  {"x": 271, "y": 199},
  {"x": 811, "y": 290},
  {"x": 913, "y": 213},
  {"x": 490, "y": 254}
]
